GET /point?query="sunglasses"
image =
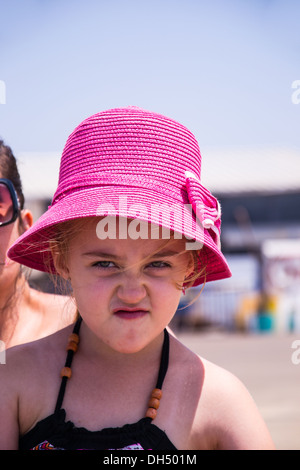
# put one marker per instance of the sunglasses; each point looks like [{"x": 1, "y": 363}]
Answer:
[{"x": 9, "y": 202}]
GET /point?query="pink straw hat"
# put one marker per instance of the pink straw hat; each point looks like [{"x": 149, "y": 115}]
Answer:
[{"x": 137, "y": 164}]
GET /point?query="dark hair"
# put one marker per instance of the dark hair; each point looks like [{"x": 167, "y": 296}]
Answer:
[{"x": 9, "y": 170}]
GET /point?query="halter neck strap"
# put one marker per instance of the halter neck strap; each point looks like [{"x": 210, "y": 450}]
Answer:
[{"x": 164, "y": 362}]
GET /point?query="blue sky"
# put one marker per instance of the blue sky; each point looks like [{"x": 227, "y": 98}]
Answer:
[{"x": 223, "y": 68}]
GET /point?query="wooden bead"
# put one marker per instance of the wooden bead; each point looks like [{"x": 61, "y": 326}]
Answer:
[
  {"x": 156, "y": 393},
  {"x": 66, "y": 372},
  {"x": 153, "y": 403},
  {"x": 72, "y": 346},
  {"x": 74, "y": 337},
  {"x": 151, "y": 413}
]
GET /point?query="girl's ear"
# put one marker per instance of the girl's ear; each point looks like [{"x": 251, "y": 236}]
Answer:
[
  {"x": 59, "y": 261},
  {"x": 191, "y": 265},
  {"x": 191, "y": 269}
]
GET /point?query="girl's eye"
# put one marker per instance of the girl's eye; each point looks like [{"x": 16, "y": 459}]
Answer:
[
  {"x": 159, "y": 264},
  {"x": 104, "y": 264}
]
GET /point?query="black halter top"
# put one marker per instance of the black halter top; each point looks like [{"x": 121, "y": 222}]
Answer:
[{"x": 55, "y": 433}]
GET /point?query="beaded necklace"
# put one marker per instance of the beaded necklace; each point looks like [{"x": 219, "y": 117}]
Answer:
[{"x": 66, "y": 372}]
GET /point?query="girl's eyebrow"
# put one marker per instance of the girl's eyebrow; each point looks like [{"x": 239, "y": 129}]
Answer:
[
  {"x": 102, "y": 254},
  {"x": 163, "y": 254}
]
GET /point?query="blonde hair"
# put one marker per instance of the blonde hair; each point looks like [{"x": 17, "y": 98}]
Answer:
[{"x": 65, "y": 232}]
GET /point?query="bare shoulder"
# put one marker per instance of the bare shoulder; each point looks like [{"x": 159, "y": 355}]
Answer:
[
  {"x": 186, "y": 361},
  {"x": 29, "y": 382},
  {"x": 26, "y": 361},
  {"x": 58, "y": 310},
  {"x": 230, "y": 413},
  {"x": 16, "y": 376},
  {"x": 220, "y": 412}
]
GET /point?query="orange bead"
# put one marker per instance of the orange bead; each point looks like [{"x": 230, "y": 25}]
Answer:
[
  {"x": 156, "y": 393},
  {"x": 72, "y": 346},
  {"x": 66, "y": 372},
  {"x": 74, "y": 337},
  {"x": 151, "y": 413},
  {"x": 153, "y": 403}
]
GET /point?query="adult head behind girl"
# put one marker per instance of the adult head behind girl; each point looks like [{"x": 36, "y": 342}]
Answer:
[
  {"x": 25, "y": 313},
  {"x": 131, "y": 227}
]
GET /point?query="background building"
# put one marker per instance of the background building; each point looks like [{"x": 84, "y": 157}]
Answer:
[{"x": 259, "y": 192}]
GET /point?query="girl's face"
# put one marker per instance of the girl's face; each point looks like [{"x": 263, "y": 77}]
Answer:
[{"x": 126, "y": 291}]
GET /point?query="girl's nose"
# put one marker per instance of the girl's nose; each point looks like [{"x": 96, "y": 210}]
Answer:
[{"x": 131, "y": 290}]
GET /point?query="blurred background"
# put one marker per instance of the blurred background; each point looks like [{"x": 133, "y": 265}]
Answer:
[{"x": 230, "y": 71}]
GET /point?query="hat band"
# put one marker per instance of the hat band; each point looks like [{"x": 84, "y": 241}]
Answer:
[
  {"x": 129, "y": 181},
  {"x": 205, "y": 207}
]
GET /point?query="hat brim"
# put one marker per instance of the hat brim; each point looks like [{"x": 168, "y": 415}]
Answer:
[{"x": 32, "y": 248}]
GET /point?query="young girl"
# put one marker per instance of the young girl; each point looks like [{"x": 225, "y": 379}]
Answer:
[
  {"x": 25, "y": 313},
  {"x": 131, "y": 227}
]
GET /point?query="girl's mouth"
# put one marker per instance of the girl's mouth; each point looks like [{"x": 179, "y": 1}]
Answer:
[{"x": 130, "y": 313}]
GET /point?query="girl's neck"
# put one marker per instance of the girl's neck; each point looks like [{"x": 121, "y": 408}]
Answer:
[{"x": 96, "y": 350}]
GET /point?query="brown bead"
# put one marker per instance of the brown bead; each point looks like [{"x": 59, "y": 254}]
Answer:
[
  {"x": 156, "y": 393},
  {"x": 74, "y": 337},
  {"x": 72, "y": 346},
  {"x": 153, "y": 403},
  {"x": 66, "y": 372},
  {"x": 151, "y": 413}
]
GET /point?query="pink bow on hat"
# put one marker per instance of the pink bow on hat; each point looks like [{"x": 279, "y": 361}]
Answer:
[{"x": 205, "y": 206}]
